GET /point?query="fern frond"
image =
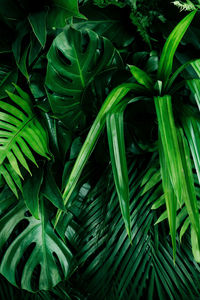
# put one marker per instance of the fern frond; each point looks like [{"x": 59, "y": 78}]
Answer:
[
  {"x": 187, "y": 6},
  {"x": 20, "y": 132}
]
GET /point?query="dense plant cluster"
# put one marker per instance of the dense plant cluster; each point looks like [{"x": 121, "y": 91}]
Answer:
[{"x": 99, "y": 149}]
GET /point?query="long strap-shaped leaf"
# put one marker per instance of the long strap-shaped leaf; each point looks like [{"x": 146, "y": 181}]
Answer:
[
  {"x": 170, "y": 196},
  {"x": 177, "y": 157},
  {"x": 192, "y": 62},
  {"x": 169, "y": 140},
  {"x": 115, "y": 131},
  {"x": 115, "y": 96},
  {"x": 169, "y": 49}
]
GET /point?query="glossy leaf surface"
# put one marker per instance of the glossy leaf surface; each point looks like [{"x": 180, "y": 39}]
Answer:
[
  {"x": 42, "y": 247},
  {"x": 74, "y": 59}
]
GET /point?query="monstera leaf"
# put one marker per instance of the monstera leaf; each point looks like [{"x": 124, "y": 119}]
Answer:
[
  {"x": 34, "y": 252},
  {"x": 74, "y": 59},
  {"x": 20, "y": 130}
]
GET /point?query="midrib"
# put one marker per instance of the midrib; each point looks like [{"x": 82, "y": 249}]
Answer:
[
  {"x": 79, "y": 68},
  {"x": 14, "y": 137}
]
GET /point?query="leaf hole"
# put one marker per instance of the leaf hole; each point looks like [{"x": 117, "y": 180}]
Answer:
[
  {"x": 63, "y": 58},
  {"x": 100, "y": 51},
  {"x": 18, "y": 229},
  {"x": 58, "y": 264},
  {"x": 35, "y": 279},
  {"x": 22, "y": 262},
  {"x": 27, "y": 214},
  {"x": 84, "y": 41}
]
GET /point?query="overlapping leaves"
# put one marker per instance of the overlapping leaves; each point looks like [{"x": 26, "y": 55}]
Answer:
[
  {"x": 33, "y": 250},
  {"x": 20, "y": 133},
  {"x": 144, "y": 269},
  {"x": 74, "y": 59}
]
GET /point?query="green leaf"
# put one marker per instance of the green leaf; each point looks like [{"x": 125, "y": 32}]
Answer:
[
  {"x": 195, "y": 244},
  {"x": 115, "y": 96},
  {"x": 115, "y": 132},
  {"x": 38, "y": 23},
  {"x": 191, "y": 126},
  {"x": 51, "y": 191},
  {"x": 188, "y": 188},
  {"x": 194, "y": 85},
  {"x": 169, "y": 49},
  {"x": 170, "y": 197},
  {"x": 41, "y": 245},
  {"x": 19, "y": 52},
  {"x": 20, "y": 131},
  {"x": 179, "y": 70},
  {"x": 74, "y": 59},
  {"x": 177, "y": 156},
  {"x": 106, "y": 22},
  {"x": 31, "y": 190},
  {"x": 7, "y": 77},
  {"x": 169, "y": 140},
  {"x": 60, "y": 11},
  {"x": 113, "y": 267},
  {"x": 141, "y": 77},
  {"x": 184, "y": 227}
]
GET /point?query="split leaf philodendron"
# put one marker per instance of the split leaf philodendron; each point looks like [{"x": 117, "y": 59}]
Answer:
[{"x": 99, "y": 150}]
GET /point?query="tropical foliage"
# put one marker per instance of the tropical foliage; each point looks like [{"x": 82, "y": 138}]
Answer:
[{"x": 99, "y": 149}]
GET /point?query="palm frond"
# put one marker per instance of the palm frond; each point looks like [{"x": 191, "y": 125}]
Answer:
[{"x": 114, "y": 268}]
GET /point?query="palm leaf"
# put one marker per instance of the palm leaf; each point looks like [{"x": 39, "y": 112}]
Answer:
[
  {"x": 20, "y": 131},
  {"x": 115, "y": 269}
]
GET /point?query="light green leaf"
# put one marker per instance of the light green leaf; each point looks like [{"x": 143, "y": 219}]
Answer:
[
  {"x": 115, "y": 132},
  {"x": 194, "y": 86},
  {"x": 115, "y": 96},
  {"x": 179, "y": 70},
  {"x": 142, "y": 77},
  {"x": 188, "y": 188},
  {"x": 177, "y": 159},
  {"x": 195, "y": 244},
  {"x": 191, "y": 126},
  {"x": 20, "y": 130},
  {"x": 169, "y": 49},
  {"x": 169, "y": 141},
  {"x": 170, "y": 197},
  {"x": 184, "y": 227}
]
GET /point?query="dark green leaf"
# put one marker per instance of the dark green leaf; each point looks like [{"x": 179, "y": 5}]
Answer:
[
  {"x": 31, "y": 191},
  {"x": 38, "y": 24},
  {"x": 74, "y": 59},
  {"x": 7, "y": 77},
  {"x": 38, "y": 240},
  {"x": 51, "y": 191}
]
